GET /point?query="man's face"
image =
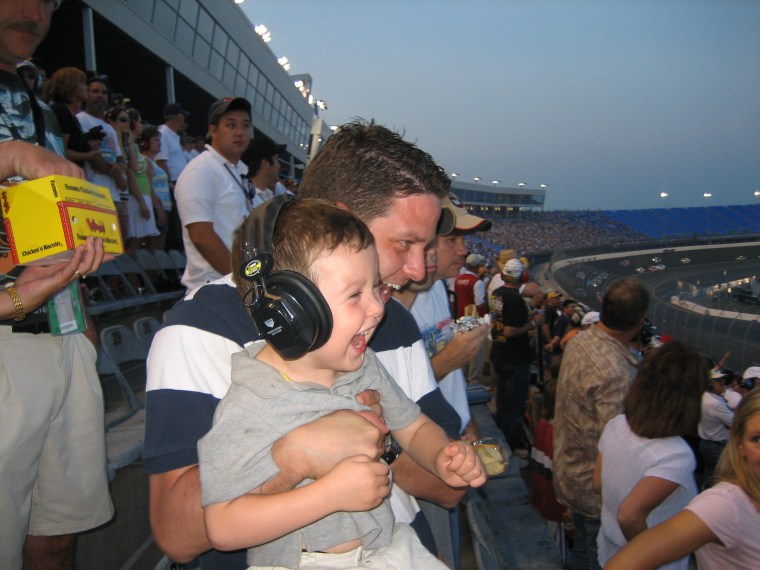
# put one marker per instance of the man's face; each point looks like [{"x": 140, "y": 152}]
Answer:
[
  {"x": 178, "y": 123},
  {"x": 451, "y": 255},
  {"x": 569, "y": 309},
  {"x": 271, "y": 168},
  {"x": 402, "y": 235},
  {"x": 23, "y": 25},
  {"x": 231, "y": 135},
  {"x": 97, "y": 98}
]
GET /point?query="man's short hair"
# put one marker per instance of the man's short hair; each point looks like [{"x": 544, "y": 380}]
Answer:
[
  {"x": 365, "y": 166},
  {"x": 624, "y": 304}
]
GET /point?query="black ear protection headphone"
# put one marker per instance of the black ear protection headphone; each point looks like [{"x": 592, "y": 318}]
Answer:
[{"x": 287, "y": 308}]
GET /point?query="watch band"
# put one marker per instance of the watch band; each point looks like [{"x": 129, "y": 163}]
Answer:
[{"x": 17, "y": 304}]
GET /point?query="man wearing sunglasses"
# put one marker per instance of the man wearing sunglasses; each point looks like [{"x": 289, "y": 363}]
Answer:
[{"x": 53, "y": 481}]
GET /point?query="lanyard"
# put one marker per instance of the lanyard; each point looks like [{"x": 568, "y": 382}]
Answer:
[{"x": 239, "y": 181}]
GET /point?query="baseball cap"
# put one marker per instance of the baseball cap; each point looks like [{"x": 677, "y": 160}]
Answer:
[
  {"x": 175, "y": 109},
  {"x": 553, "y": 295},
  {"x": 463, "y": 221},
  {"x": 590, "y": 318},
  {"x": 474, "y": 260},
  {"x": 716, "y": 374},
  {"x": 751, "y": 372},
  {"x": 220, "y": 107},
  {"x": 513, "y": 268}
]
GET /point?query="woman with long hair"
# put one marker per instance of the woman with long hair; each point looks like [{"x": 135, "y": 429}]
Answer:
[
  {"x": 141, "y": 222},
  {"x": 66, "y": 91},
  {"x": 644, "y": 468},
  {"x": 722, "y": 525}
]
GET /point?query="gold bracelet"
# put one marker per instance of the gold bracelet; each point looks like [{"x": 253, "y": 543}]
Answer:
[{"x": 17, "y": 304}]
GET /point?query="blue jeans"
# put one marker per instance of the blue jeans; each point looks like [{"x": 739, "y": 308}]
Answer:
[
  {"x": 584, "y": 555},
  {"x": 512, "y": 385}
]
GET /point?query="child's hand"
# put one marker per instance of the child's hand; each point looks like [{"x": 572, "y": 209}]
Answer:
[
  {"x": 358, "y": 483},
  {"x": 458, "y": 465}
]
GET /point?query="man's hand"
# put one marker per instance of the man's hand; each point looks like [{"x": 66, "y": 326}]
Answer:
[
  {"x": 20, "y": 158},
  {"x": 460, "y": 351},
  {"x": 312, "y": 450},
  {"x": 37, "y": 284}
]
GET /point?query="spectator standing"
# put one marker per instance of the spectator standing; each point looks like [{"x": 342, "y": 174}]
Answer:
[
  {"x": 262, "y": 159},
  {"x": 211, "y": 194},
  {"x": 714, "y": 426},
  {"x": 66, "y": 90},
  {"x": 597, "y": 370},
  {"x": 429, "y": 305},
  {"x": 53, "y": 482},
  {"x": 720, "y": 525},
  {"x": 511, "y": 354},
  {"x": 189, "y": 360},
  {"x": 106, "y": 169},
  {"x": 150, "y": 145},
  {"x": 562, "y": 326},
  {"x": 173, "y": 160},
  {"x": 645, "y": 470},
  {"x": 469, "y": 288}
]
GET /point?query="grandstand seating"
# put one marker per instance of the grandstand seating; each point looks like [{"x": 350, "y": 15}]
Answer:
[{"x": 684, "y": 222}]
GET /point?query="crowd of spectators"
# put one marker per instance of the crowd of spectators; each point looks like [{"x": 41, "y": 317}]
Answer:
[{"x": 533, "y": 233}]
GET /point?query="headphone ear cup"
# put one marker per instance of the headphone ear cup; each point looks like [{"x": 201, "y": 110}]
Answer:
[{"x": 293, "y": 316}]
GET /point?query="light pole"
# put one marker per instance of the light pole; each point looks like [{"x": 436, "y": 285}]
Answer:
[
  {"x": 664, "y": 196},
  {"x": 707, "y": 196},
  {"x": 757, "y": 195}
]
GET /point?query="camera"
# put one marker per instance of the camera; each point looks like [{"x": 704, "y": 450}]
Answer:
[{"x": 95, "y": 134}]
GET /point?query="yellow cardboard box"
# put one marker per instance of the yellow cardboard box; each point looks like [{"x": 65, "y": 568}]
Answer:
[{"x": 47, "y": 218}]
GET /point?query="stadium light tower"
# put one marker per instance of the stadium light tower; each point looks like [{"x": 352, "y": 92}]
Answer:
[
  {"x": 707, "y": 196},
  {"x": 664, "y": 196},
  {"x": 757, "y": 195}
]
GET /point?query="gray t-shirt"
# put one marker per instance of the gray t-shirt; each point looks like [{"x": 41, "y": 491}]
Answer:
[{"x": 260, "y": 407}]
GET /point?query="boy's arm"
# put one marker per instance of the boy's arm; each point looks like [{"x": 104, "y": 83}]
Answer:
[
  {"x": 356, "y": 484},
  {"x": 456, "y": 463}
]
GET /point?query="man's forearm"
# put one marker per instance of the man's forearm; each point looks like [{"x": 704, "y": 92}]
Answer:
[{"x": 176, "y": 516}]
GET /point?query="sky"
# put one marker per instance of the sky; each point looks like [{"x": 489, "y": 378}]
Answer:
[{"x": 608, "y": 102}]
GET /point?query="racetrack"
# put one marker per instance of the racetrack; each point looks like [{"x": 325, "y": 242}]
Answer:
[{"x": 714, "y": 335}]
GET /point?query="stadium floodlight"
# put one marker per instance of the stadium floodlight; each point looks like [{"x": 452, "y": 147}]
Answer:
[
  {"x": 283, "y": 61},
  {"x": 757, "y": 193},
  {"x": 707, "y": 195},
  {"x": 521, "y": 184},
  {"x": 454, "y": 174},
  {"x": 663, "y": 194},
  {"x": 495, "y": 181},
  {"x": 476, "y": 178},
  {"x": 263, "y": 32},
  {"x": 543, "y": 186}
]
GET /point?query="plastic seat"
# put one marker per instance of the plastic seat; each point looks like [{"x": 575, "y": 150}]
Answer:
[{"x": 145, "y": 329}]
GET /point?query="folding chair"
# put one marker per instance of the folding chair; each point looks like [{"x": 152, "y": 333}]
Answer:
[
  {"x": 115, "y": 293},
  {"x": 132, "y": 270},
  {"x": 180, "y": 261},
  {"x": 128, "y": 353},
  {"x": 145, "y": 329},
  {"x": 119, "y": 400}
]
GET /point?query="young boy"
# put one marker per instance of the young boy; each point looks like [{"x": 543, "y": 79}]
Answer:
[{"x": 343, "y": 518}]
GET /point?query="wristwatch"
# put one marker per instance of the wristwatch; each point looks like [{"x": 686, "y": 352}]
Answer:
[{"x": 392, "y": 451}]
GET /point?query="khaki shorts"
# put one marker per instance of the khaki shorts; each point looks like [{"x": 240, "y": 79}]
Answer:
[
  {"x": 52, "y": 448},
  {"x": 403, "y": 553}
]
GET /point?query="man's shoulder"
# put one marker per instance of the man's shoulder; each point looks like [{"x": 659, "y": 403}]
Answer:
[
  {"x": 398, "y": 329},
  {"x": 215, "y": 308}
]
